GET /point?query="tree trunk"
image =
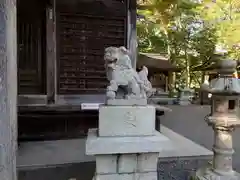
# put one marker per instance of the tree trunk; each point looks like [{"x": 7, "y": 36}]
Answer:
[
  {"x": 172, "y": 75},
  {"x": 187, "y": 73},
  {"x": 203, "y": 77},
  {"x": 187, "y": 66}
]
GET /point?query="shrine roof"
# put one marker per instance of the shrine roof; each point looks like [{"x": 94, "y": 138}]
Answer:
[
  {"x": 210, "y": 66},
  {"x": 156, "y": 62}
]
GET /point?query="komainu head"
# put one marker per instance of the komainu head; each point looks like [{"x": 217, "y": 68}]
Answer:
[{"x": 118, "y": 56}]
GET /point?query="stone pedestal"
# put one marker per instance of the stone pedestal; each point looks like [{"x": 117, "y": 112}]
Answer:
[
  {"x": 126, "y": 145},
  {"x": 209, "y": 174}
]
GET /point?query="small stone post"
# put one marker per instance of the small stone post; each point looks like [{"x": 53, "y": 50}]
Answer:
[{"x": 224, "y": 118}]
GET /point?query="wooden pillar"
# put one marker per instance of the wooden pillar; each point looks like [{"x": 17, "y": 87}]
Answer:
[
  {"x": 170, "y": 82},
  {"x": 51, "y": 53},
  {"x": 166, "y": 82},
  {"x": 132, "y": 32},
  {"x": 8, "y": 90}
]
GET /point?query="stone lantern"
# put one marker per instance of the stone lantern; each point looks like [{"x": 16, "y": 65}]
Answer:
[
  {"x": 224, "y": 118},
  {"x": 185, "y": 96}
]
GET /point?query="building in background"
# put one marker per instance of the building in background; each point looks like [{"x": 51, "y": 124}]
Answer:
[{"x": 159, "y": 68}]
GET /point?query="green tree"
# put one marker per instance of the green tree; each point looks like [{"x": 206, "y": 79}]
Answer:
[
  {"x": 177, "y": 28},
  {"x": 224, "y": 15}
]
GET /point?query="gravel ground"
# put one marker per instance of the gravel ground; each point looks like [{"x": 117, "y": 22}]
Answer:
[{"x": 189, "y": 122}]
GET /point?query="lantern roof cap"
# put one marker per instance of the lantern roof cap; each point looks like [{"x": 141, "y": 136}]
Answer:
[{"x": 225, "y": 84}]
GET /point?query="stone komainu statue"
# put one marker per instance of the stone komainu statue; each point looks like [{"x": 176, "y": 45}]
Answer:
[{"x": 125, "y": 82}]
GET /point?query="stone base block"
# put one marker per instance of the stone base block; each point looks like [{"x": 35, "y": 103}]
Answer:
[
  {"x": 126, "y": 145},
  {"x": 129, "y": 176},
  {"x": 208, "y": 174},
  {"x": 126, "y": 121},
  {"x": 106, "y": 164},
  {"x": 127, "y": 163},
  {"x": 147, "y": 162}
]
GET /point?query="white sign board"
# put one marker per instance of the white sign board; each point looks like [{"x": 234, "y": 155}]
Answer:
[{"x": 90, "y": 106}]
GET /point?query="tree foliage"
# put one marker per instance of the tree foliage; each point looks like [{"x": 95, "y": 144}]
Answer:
[
  {"x": 224, "y": 15},
  {"x": 189, "y": 32}
]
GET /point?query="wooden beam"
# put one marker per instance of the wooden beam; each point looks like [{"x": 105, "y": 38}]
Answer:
[
  {"x": 51, "y": 53},
  {"x": 131, "y": 29},
  {"x": 8, "y": 89}
]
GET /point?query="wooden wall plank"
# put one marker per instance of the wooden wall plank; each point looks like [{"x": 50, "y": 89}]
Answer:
[{"x": 82, "y": 36}]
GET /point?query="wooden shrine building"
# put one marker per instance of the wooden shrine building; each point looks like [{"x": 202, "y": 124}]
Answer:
[
  {"x": 159, "y": 67},
  {"x": 60, "y": 61},
  {"x": 61, "y": 46},
  {"x": 210, "y": 67},
  {"x": 52, "y": 63}
]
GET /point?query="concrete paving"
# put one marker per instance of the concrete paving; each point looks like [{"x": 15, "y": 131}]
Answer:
[{"x": 189, "y": 122}]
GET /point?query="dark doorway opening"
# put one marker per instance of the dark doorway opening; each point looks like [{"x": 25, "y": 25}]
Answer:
[{"x": 31, "y": 49}]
